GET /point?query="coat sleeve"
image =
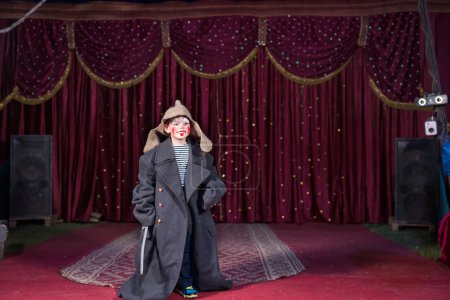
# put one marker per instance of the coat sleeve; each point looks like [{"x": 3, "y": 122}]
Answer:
[
  {"x": 214, "y": 187},
  {"x": 144, "y": 192}
]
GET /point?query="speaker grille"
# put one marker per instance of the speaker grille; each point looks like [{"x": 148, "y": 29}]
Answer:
[
  {"x": 416, "y": 181},
  {"x": 31, "y": 177}
]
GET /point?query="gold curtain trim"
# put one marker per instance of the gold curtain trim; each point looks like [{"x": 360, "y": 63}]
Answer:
[
  {"x": 392, "y": 103},
  {"x": 304, "y": 80},
  {"x": 117, "y": 10},
  {"x": 220, "y": 74},
  {"x": 9, "y": 98},
  {"x": 120, "y": 84},
  {"x": 52, "y": 92}
]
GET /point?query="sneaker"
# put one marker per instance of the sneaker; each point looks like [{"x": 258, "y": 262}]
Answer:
[{"x": 188, "y": 292}]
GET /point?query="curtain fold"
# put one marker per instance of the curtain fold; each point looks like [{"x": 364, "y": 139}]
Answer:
[
  {"x": 307, "y": 50},
  {"x": 118, "y": 54},
  {"x": 8, "y": 42},
  {"x": 198, "y": 43},
  {"x": 75, "y": 146},
  {"x": 288, "y": 152},
  {"x": 312, "y": 47},
  {"x": 393, "y": 48},
  {"x": 43, "y": 60}
]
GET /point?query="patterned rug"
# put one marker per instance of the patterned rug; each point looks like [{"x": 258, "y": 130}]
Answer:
[{"x": 247, "y": 253}]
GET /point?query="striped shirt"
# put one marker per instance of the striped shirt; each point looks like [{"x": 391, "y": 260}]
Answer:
[{"x": 182, "y": 157}]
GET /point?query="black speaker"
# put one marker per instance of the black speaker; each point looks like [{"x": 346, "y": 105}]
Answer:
[
  {"x": 417, "y": 181},
  {"x": 31, "y": 177}
]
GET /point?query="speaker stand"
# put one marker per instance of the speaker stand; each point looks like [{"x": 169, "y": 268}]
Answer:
[
  {"x": 396, "y": 226},
  {"x": 47, "y": 221},
  {"x": 3, "y": 236}
]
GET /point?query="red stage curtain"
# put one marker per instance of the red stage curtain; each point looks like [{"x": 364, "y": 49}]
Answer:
[
  {"x": 42, "y": 60},
  {"x": 288, "y": 152},
  {"x": 200, "y": 42},
  {"x": 393, "y": 49},
  {"x": 312, "y": 47},
  {"x": 118, "y": 53}
]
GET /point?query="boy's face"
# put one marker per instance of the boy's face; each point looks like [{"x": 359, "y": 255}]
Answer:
[{"x": 179, "y": 129}]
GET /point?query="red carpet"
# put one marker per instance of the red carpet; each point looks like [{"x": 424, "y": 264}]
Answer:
[{"x": 343, "y": 262}]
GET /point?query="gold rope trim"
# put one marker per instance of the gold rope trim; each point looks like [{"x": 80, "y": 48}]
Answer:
[
  {"x": 220, "y": 74},
  {"x": 120, "y": 84},
  {"x": 392, "y": 103},
  {"x": 303, "y": 80},
  {"x": 52, "y": 92},
  {"x": 9, "y": 98}
]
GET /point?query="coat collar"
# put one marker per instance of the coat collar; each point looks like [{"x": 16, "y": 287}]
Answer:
[
  {"x": 166, "y": 166},
  {"x": 164, "y": 152},
  {"x": 197, "y": 170}
]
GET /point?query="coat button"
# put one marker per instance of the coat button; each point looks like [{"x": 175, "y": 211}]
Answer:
[
  {"x": 159, "y": 221},
  {"x": 160, "y": 189},
  {"x": 160, "y": 204}
]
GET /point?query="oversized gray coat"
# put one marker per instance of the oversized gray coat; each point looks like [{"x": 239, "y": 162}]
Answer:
[{"x": 170, "y": 212}]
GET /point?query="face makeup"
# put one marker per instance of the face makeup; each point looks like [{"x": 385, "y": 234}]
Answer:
[{"x": 179, "y": 129}]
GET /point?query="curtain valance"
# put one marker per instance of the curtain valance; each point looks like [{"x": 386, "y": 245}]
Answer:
[
  {"x": 118, "y": 53},
  {"x": 312, "y": 47},
  {"x": 43, "y": 60},
  {"x": 393, "y": 54},
  {"x": 305, "y": 49},
  {"x": 214, "y": 47}
]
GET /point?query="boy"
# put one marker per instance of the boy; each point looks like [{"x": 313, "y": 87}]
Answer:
[{"x": 178, "y": 184}]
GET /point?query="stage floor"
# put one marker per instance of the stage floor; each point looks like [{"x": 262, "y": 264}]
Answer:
[{"x": 342, "y": 262}]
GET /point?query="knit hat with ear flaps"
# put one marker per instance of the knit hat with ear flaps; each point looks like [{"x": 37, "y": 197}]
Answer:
[{"x": 175, "y": 111}]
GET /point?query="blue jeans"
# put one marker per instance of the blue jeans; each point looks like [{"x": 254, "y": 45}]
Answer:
[{"x": 186, "y": 278}]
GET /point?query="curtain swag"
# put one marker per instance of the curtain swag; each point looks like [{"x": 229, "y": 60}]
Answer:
[
  {"x": 9, "y": 98},
  {"x": 306, "y": 50},
  {"x": 302, "y": 80},
  {"x": 50, "y": 93},
  {"x": 121, "y": 84},
  {"x": 217, "y": 75},
  {"x": 393, "y": 103}
]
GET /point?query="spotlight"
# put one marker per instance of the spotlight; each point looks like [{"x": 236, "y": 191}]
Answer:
[{"x": 431, "y": 100}]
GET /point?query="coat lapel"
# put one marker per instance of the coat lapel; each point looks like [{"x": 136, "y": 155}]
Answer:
[
  {"x": 196, "y": 171},
  {"x": 166, "y": 166}
]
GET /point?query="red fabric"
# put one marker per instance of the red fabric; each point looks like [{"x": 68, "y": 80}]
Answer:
[
  {"x": 8, "y": 54},
  {"x": 118, "y": 50},
  {"x": 393, "y": 54},
  {"x": 200, "y": 42},
  {"x": 287, "y": 152},
  {"x": 75, "y": 147},
  {"x": 312, "y": 46},
  {"x": 42, "y": 56},
  {"x": 444, "y": 238}
]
